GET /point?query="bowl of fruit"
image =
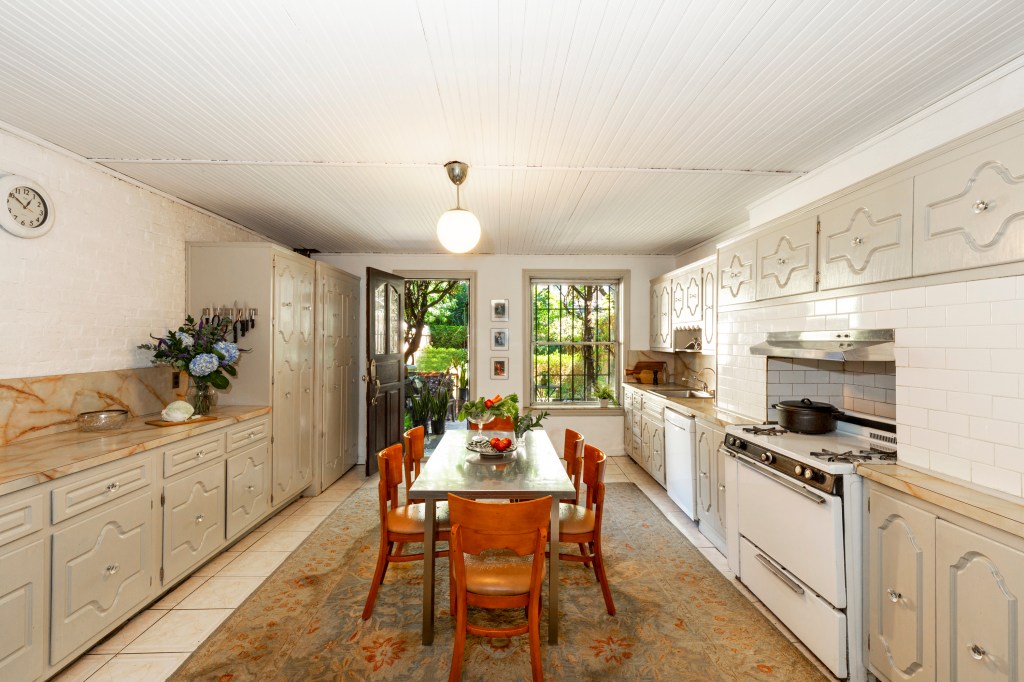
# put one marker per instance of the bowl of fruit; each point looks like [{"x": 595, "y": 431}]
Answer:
[{"x": 495, "y": 447}]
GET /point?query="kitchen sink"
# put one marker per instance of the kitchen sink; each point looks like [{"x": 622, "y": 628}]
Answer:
[{"x": 681, "y": 393}]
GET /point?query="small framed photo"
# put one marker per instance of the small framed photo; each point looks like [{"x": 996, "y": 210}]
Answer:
[
  {"x": 499, "y": 368},
  {"x": 499, "y": 338},
  {"x": 499, "y": 310}
]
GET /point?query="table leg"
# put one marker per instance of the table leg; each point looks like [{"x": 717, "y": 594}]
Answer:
[
  {"x": 553, "y": 574},
  {"x": 430, "y": 513}
]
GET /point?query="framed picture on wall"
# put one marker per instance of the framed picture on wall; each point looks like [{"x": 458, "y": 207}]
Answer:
[
  {"x": 499, "y": 368},
  {"x": 499, "y": 310},
  {"x": 499, "y": 338}
]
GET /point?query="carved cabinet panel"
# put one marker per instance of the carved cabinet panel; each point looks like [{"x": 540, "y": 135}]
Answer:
[
  {"x": 736, "y": 272},
  {"x": 970, "y": 212},
  {"x": 247, "y": 495},
  {"x": 867, "y": 238},
  {"x": 686, "y": 298},
  {"x": 193, "y": 520},
  {"x": 710, "y": 321},
  {"x": 23, "y": 587},
  {"x": 901, "y": 589},
  {"x": 661, "y": 308},
  {"x": 787, "y": 258}
]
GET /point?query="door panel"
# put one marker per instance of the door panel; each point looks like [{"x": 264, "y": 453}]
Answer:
[
  {"x": 385, "y": 377},
  {"x": 736, "y": 267},
  {"x": 193, "y": 520},
  {"x": 787, "y": 259},
  {"x": 23, "y": 586}
]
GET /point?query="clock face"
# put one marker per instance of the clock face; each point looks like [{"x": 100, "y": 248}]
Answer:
[{"x": 26, "y": 207}]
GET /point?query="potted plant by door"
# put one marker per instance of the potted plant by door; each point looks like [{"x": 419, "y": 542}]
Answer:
[
  {"x": 419, "y": 408},
  {"x": 460, "y": 370},
  {"x": 604, "y": 393},
  {"x": 439, "y": 400}
]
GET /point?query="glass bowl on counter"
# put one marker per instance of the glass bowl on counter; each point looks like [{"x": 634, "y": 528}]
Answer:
[{"x": 102, "y": 420}]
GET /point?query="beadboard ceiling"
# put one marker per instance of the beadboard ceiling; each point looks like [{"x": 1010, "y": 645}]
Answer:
[{"x": 591, "y": 127}]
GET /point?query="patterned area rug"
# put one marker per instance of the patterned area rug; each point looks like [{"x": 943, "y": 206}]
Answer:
[{"x": 678, "y": 617}]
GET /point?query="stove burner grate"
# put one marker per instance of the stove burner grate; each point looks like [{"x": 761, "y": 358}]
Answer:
[
  {"x": 765, "y": 431},
  {"x": 849, "y": 458}
]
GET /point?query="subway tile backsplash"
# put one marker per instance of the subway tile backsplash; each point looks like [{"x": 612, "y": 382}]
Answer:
[{"x": 865, "y": 387}]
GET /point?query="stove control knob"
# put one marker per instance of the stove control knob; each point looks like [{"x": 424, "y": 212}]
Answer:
[
  {"x": 808, "y": 473},
  {"x": 798, "y": 470},
  {"x": 767, "y": 457},
  {"x": 730, "y": 440}
]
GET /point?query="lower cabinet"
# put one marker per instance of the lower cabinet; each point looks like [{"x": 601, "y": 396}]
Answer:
[
  {"x": 23, "y": 588},
  {"x": 247, "y": 488},
  {"x": 944, "y": 594},
  {"x": 712, "y": 485},
  {"x": 652, "y": 438},
  {"x": 103, "y": 567},
  {"x": 193, "y": 520}
]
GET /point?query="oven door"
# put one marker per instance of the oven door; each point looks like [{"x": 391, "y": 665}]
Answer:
[{"x": 800, "y": 528}]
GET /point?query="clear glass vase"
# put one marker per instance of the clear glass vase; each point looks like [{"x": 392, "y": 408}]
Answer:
[{"x": 201, "y": 395}]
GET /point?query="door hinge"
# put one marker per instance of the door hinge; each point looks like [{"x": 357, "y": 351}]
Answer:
[
  {"x": 271, "y": 440},
  {"x": 869, "y": 504},
  {"x": 163, "y": 499},
  {"x": 817, "y": 227},
  {"x": 161, "y": 574},
  {"x": 817, "y": 278},
  {"x": 869, "y": 642}
]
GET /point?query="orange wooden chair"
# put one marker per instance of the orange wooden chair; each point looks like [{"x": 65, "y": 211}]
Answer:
[
  {"x": 581, "y": 523},
  {"x": 499, "y": 424},
  {"x": 398, "y": 523},
  {"x": 502, "y": 580},
  {"x": 413, "y": 441},
  {"x": 572, "y": 453}
]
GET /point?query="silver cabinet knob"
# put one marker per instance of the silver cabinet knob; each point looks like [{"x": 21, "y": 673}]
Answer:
[
  {"x": 977, "y": 653},
  {"x": 111, "y": 487},
  {"x": 721, "y": 487},
  {"x": 200, "y": 518},
  {"x": 250, "y": 488},
  {"x": 782, "y": 261},
  {"x": 703, "y": 475},
  {"x": 286, "y": 304},
  {"x": 200, "y": 454},
  {"x": 307, "y": 307},
  {"x": 734, "y": 275},
  {"x": 307, "y": 390},
  {"x": 857, "y": 241},
  {"x": 980, "y": 206},
  {"x": 894, "y": 596},
  {"x": 112, "y": 569},
  {"x": 252, "y": 434},
  {"x": 288, "y": 394}
]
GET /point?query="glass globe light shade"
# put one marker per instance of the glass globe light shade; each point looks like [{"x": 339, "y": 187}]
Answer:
[{"x": 458, "y": 230}]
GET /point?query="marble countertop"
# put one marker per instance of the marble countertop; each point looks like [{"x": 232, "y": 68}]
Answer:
[
  {"x": 987, "y": 508},
  {"x": 702, "y": 408},
  {"x": 43, "y": 459}
]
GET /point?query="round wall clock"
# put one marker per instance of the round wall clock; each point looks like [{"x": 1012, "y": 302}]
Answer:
[{"x": 27, "y": 210}]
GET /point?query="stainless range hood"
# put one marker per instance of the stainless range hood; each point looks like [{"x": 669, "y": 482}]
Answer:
[{"x": 859, "y": 344}]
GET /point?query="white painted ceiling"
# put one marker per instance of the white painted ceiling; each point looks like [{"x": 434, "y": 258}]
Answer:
[{"x": 591, "y": 127}]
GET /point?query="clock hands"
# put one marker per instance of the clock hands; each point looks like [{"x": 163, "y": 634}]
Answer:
[{"x": 19, "y": 200}]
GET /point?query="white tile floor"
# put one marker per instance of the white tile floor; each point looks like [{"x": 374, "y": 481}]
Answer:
[{"x": 155, "y": 642}]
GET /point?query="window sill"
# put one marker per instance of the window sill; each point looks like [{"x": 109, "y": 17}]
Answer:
[{"x": 579, "y": 410}]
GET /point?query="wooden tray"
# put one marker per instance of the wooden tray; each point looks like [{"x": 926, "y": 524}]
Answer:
[{"x": 194, "y": 420}]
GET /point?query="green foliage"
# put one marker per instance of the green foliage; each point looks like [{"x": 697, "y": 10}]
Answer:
[
  {"x": 200, "y": 349},
  {"x": 420, "y": 407},
  {"x": 460, "y": 369},
  {"x": 448, "y": 335},
  {"x": 507, "y": 406},
  {"x": 439, "y": 359},
  {"x": 437, "y": 401},
  {"x": 451, "y": 310},
  {"x": 528, "y": 420},
  {"x": 604, "y": 392}
]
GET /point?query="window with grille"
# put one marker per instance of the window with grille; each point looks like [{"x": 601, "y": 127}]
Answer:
[{"x": 574, "y": 339}]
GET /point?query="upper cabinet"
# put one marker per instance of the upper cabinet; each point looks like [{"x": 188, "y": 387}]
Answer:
[
  {"x": 736, "y": 272},
  {"x": 970, "y": 212},
  {"x": 710, "y": 313},
  {"x": 661, "y": 326},
  {"x": 867, "y": 238},
  {"x": 786, "y": 258}
]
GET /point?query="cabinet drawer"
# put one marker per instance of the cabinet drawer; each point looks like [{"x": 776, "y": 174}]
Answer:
[
  {"x": 192, "y": 453},
  {"x": 86, "y": 493},
  {"x": 248, "y": 493},
  {"x": 102, "y": 569},
  {"x": 193, "y": 519},
  {"x": 20, "y": 515},
  {"x": 248, "y": 433}
]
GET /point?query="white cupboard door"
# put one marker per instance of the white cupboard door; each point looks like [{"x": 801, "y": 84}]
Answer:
[
  {"x": 658, "y": 452},
  {"x": 979, "y": 611},
  {"x": 23, "y": 586},
  {"x": 868, "y": 238},
  {"x": 645, "y": 445},
  {"x": 722, "y": 462},
  {"x": 102, "y": 569},
  {"x": 627, "y": 420},
  {"x": 787, "y": 258},
  {"x": 737, "y": 272},
  {"x": 330, "y": 456},
  {"x": 248, "y": 496},
  {"x": 661, "y": 305},
  {"x": 193, "y": 520},
  {"x": 705, "y": 452},
  {"x": 901, "y": 589},
  {"x": 678, "y": 300},
  {"x": 709, "y": 316},
  {"x": 348, "y": 357},
  {"x": 970, "y": 212},
  {"x": 306, "y": 352},
  {"x": 693, "y": 295}
]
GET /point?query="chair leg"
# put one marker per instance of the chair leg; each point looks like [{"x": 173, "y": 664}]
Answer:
[
  {"x": 398, "y": 548},
  {"x": 378, "y": 578},
  {"x": 583, "y": 552},
  {"x": 533, "y": 621},
  {"x": 460, "y": 640},
  {"x": 603, "y": 579}
]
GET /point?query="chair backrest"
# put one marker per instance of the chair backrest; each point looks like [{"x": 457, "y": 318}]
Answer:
[
  {"x": 572, "y": 453},
  {"x": 413, "y": 441},
  {"x": 389, "y": 461},
  {"x": 499, "y": 424},
  {"x": 518, "y": 526},
  {"x": 593, "y": 476}
]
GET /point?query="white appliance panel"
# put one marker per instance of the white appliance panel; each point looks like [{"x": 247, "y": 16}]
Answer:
[{"x": 680, "y": 468}]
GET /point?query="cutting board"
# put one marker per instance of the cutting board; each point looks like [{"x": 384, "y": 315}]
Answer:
[
  {"x": 197, "y": 420},
  {"x": 639, "y": 369}
]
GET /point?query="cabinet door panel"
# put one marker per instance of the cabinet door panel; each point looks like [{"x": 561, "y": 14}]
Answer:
[
  {"x": 661, "y": 308},
  {"x": 705, "y": 500},
  {"x": 658, "y": 452},
  {"x": 901, "y": 589},
  {"x": 645, "y": 445},
  {"x": 693, "y": 296},
  {"x": 721, "y": 488},
  {"x": 102, "y": 569},
  {"x": 786, "y": 259},
  {"x": 979, "y": 635},
  {"x": 23, "y": 586},
  {"x": 867, "y": 239},
  {"x": 193, "y": 520},
  {"x": 710, "y": 318},
  {"x": 248, "y": 497},
  {"x": 737, "y": 273},
  {"x": 970, "y": 212},
  {"x": 678, "y": 300}
]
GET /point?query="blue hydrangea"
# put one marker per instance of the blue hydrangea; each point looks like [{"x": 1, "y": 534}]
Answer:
[
  {"x": 185, "y": 339},
  {"x": 228, "y": 350},
  {"x": 203, "y": 364}
]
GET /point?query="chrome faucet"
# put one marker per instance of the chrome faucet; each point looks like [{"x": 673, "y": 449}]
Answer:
[{"x": 697, "y": 379}]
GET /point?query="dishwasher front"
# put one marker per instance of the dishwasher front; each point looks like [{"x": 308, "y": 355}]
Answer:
[{"x": 680, "y": 468}]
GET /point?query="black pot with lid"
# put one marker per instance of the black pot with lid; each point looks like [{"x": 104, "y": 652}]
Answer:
[{"x": 807, "y": 416}]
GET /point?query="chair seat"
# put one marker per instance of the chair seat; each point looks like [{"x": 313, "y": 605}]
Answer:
[
  {"x": 408, "y": 519},
  {"x": 574, "y": 519},
  {"x": 498, "y": 573}
]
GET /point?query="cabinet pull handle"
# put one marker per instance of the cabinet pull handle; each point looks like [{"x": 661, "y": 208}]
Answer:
[
  {"x": 286, "y": 304},
  {"x": 307, "y": 390},
  {"x": 335, "y": 387},
  {"x": 734, "y": 274},
  {"x": 894, "y": 596},
  {"x": 113, "y": 568},
  {"x": 200, "y": 518},
  {"x": 703, "y": 475},
  {"x": 288, "y": 394},
  {"x": 250, "y": 487},
  {"x": 857, "y": 241},
  {"x": 111, "y": 487},
  {"x": 721, "y": 487},
  {"x": 252, "y": 434},
  {"x": 786, "y": 580},
  {"x": 782, "y": 261},
  {"x": 200, "y": 454},
  {"x": 980, "y": 206},
  {"x": 307, "y": 307},
  {"x": 977, "y": 653}
]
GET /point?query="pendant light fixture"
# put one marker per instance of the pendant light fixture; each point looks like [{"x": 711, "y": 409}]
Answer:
[{"x": 458, "y": 229}]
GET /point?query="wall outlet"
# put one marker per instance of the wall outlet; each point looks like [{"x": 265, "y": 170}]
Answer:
[{"x": 175, "y": 380}]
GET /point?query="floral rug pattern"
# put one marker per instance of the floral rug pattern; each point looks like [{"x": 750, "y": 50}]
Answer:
[{"x": 678, "y": 618}]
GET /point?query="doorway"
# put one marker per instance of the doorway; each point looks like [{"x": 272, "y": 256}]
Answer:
[{"x": 438, "y": 334}]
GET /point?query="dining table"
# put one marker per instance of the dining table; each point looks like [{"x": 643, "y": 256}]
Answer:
[{"x": 532, "y": 470}]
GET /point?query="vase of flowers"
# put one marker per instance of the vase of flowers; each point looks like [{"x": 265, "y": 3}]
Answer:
[
  {"x": 484, "y": 410},
  {"x": 203, "y": 352}
]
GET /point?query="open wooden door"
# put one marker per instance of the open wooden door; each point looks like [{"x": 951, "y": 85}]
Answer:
[{"x": 385, "y": 367}]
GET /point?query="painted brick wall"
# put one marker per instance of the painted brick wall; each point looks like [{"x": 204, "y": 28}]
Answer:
[
  {"x": 959, "y": 370},
  {"x": 110, "y": 272}
]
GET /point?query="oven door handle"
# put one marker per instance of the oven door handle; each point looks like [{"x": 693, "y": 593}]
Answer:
[
  {"x": 817, "y": 499},
  {"x": 786, "y": 580}
]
